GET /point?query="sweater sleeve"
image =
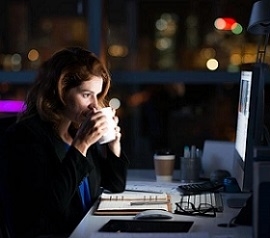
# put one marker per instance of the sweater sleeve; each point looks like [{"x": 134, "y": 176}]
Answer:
[
  {"x": 40, "y": 184},
  {"x": 114, "y": 171}
]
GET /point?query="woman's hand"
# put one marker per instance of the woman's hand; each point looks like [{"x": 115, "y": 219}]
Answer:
[
  {"x": 90, "y": 131},
  {"x": 93, "y": 128}
]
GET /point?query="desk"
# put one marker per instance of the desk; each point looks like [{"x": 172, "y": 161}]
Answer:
[{"x": 91, "y": 223}]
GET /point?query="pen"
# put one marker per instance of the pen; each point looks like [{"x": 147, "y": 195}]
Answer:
[
  {"x": 143, "y": 191},
  {"x": 193, "y": 152},
  {"x": 148, "y": 203},
  {"x": 186, "y": 152}
]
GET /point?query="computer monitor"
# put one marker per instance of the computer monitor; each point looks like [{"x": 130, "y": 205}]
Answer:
[{"x": 250, "y": 130}]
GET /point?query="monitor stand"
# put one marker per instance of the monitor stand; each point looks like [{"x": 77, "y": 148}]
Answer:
[
  {"x": 244, "y": 217},
  {"x": 236, "y": 202}
]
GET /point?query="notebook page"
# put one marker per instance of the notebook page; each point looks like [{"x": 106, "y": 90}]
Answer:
[
  {"x": 126, "y": 205},
  {"x": 130, "y": 196}
]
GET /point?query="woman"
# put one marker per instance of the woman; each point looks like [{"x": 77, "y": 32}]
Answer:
[{"x": 56, "y": 167}]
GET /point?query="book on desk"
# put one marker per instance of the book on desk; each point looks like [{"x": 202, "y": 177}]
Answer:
[{"x": 131, "y": 203}]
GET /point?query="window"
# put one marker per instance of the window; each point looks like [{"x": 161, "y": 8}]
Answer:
[{"x": 175, "y": 69}]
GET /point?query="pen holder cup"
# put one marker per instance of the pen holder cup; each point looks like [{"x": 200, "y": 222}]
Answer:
[{"x": 190, "y": 169}]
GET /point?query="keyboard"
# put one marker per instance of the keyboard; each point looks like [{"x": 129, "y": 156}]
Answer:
[
  {"x": 212, "y": 198},
  {"x": 196, "y": 188}
]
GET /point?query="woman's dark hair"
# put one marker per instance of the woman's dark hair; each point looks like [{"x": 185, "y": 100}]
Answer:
[{"x": 66, "y": 69}]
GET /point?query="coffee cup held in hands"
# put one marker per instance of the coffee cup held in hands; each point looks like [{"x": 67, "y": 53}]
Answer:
[{"x": 110, "y": 134}]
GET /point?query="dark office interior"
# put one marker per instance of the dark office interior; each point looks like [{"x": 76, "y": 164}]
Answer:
[{"x": 174, "y": 70}]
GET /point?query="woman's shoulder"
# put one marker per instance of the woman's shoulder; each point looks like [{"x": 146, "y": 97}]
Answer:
[
  {"x": 6, "y": 122},
  {"x": 32, "y": 124}
]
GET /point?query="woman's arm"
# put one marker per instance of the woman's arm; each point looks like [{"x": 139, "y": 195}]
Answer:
[{"x": 113, "y": 170}]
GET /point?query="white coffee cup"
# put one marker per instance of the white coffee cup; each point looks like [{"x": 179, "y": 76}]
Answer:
[{"x": 110, "y": 134}]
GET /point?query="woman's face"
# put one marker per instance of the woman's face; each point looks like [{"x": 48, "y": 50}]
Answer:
[{"x": 79, "y": 99}]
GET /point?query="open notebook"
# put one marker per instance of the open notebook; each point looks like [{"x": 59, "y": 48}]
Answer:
[{"x": 130, "y": 203}]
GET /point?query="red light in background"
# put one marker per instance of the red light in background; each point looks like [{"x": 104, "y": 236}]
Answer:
[{"x": 225, "y": 23}]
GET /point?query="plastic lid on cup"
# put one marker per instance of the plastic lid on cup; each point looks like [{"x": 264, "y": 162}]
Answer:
[{"x": 164, "y": 152}]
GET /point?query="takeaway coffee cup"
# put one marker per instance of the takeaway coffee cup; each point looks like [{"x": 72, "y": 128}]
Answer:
[
  {"x": 110, "y": 134},
  {"x": 164, "y": 166}
]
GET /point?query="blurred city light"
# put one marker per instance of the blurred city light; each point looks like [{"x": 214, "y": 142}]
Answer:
[
  {"x": 212, "y": 64},
  {"x": 225, "y": 24},
  {"x": 115, "y": 103},
  {"x": 11, "y": 106}
]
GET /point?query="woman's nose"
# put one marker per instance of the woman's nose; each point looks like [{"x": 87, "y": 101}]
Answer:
[{"x": 94, "y": 103}]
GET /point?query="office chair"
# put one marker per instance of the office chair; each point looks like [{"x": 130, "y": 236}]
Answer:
[
  {"x": 5, "y": 228},
  {"x": 5, "y": 122}
]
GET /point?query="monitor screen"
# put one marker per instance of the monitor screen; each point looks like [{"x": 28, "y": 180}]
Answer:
[
  {"x": 243, "y": 113},
  {"x": 250, "y": 122}
]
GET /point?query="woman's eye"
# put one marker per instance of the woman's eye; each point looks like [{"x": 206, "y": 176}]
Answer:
[{"x": 86, "y": 95}]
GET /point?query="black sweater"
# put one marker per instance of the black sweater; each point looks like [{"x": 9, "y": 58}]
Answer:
[{"x": 42, "y": 194}]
